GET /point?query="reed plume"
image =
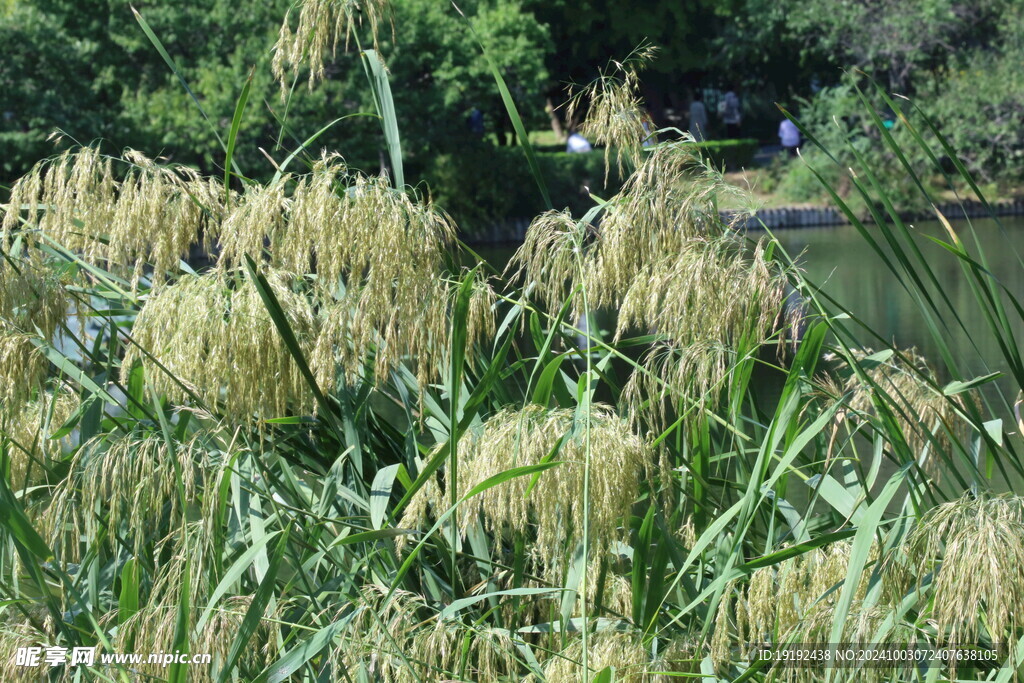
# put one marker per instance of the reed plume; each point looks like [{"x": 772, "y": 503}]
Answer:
[
  {"x": 379, "y": 257},
  {"x": 151, "y": 629},
  {"x": 18, "y": 630},
  {"x": 33, "y": 305},
  {"x": 553, "y": 509},
  {"x": 321, "y": 26},
  {"x": 973, "y": 549},
  {"x": 140, "y": 482},
  {"x": 614, "y": 110},
  {"x": 626, "y": 652},
  {"x": 665, "y": 260},
  {"x": 779, "y": 598},
  {"x": 404, "y": 640},
  {"x": 31, "y": 451},
  {"x": 215, "y": 338},
  {"x": 550, "y": 259},
  {"x": 907, "y": 384},
  {"x": 150, "y": 217}
]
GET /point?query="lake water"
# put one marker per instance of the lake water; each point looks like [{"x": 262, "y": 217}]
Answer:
[{"x": 841, "y": 261}]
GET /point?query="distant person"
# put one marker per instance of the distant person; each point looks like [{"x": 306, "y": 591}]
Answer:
[
  {"x": 789, "y": 136},
  {"x": 698, "y": 118},
  {"x": 729, "y": 110},
  {"x": 577, "y": 144},
  {"x": 475, "y": 121}
]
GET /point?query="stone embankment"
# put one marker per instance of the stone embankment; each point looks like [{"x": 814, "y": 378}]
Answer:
[
  {"x": 513, "y": 231},
  {"x": 813, "y": 217}
]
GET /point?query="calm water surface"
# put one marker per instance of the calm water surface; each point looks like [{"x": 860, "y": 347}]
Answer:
[{"x": 845, "y": 266}]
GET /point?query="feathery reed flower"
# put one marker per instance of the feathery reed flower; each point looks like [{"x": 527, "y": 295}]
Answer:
[
  {"x": 152, "y": 629},
  {"x": 554, "y": 507},
  {"x": 973, "y": 548},
  {"x": 140, "y": 482},
  {"x": 379, "y": 256},
  {"x": 707, "y": 291},
  {"x": 669, "y": 201},
  {"x": 708, "y": 303},
  {"x": 722, "y": 640},
  {"x": 663, "y": 256},
  {"x": 33, "y": 304},
  {"x": 863, "y": 626},
  {"x": 150, "y": 217},
  {"x": 907, "y": 385},
  {"x": 615, "y": 115},
  {"x": 403, "y": 640},
  {"x": 31, "y": 451},
  {"x": 216, "y": 337},
  {"x": 256, "y": 218},
  {"x": 18, "y": 631},
  {"x": 550, "y": 257},
  {"x": 322, "y": 23},
  {"x": 779, "y": 598},
  {"x": 626, "y": 652},
  {"x": 480, "y": 323},
  {"x": 373, "y": 236}
]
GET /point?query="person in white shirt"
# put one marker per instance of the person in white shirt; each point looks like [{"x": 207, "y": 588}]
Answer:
[
  {"x": 698, "y": 118},
  {"x": 789, "y": 136},
  {"x": 577, "y": 144}
]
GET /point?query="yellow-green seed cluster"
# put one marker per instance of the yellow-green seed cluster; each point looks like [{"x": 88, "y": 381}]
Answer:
[
  {"x": 31, "y": 451},
  {"x": 908, "y": 385},
  {"x": 396, "y": 640},
  {"x": 150, "y": 217},
  {"x": 215, "y": 338},
  {"x": 615, "y": 112},
  {"x": 627, "y": 653},
  {"x": 553, "y": 508},
  {"x": 322, "y": 25},
  {"x": 973, "y": 548},
  {"x": 665, "y": 260},
  {"x": 33, "y": 304}
]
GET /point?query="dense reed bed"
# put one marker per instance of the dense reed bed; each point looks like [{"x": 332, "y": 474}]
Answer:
[{"x": 339, "y": 453}]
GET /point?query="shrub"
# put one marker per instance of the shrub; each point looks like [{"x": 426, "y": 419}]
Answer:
[{"x": 729, "y": 155}]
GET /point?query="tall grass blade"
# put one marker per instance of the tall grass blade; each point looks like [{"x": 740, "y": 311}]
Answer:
[
  {"x": 254, "y": 615},
  {"x": 381, "y": 89},
  {"x": 236, "y": 123}
]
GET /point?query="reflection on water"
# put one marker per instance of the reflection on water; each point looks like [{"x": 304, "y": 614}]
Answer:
[{"x": 846, "y": 267}]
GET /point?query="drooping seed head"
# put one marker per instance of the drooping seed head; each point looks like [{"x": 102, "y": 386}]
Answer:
[
  {"x": 973, "y": 548},
  {"x": 322, "y": 25},
  {"x": 626, "y": 652},
  {"x": 553, "y": 510},
  {"x": 217, "y": 338},
  {"x": 907, "y": 384},
  {"x": 31, "y": 451},
  {"x": 151, "y": 217},
  {"x": 614, "y": 110}
]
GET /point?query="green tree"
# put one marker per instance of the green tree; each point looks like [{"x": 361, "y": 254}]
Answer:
[
  {"x": 112, "y": 84},
  {"x": 894, "y": 39}
]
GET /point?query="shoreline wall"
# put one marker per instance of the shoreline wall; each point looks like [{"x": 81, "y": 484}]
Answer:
[
  {"x": 814, "y": 217},
  {"x": 513, "y": 231}
]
